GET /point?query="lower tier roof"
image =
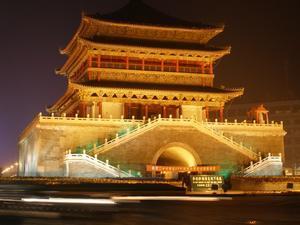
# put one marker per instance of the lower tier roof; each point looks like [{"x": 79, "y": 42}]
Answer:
[{"x": 160, "y": 87}]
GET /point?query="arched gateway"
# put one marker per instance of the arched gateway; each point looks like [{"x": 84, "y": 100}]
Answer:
[{"x": 175, "y": 154}]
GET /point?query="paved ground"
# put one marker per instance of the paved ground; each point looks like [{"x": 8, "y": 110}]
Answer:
[{"x": 275, "y": 210}]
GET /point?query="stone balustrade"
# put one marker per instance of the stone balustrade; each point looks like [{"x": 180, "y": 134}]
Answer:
[
  {"x": 261, "y": 162},
  {"x": 89, "y": 119},
  {"x": 215, "y": 133},
  {"x": 114, "y": 171},
  {"x": 10, "y": 171}
]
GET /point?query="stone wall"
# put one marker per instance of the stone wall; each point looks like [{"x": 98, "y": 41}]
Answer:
[
  {"x": 42, "y": 150},
  {"x": 143, "y": 149},
  {"x": 265, "y": 183},
  {"x": 266, "y": 140}
]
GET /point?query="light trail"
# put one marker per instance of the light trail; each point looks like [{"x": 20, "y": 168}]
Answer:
[
  {"x": 116, "y": 199},
  {"x": 169, "y": 198},
  {"x": 71, "y": 200}
]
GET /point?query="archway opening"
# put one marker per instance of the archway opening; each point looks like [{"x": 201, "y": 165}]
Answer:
[{"x": 176, "y": 156}]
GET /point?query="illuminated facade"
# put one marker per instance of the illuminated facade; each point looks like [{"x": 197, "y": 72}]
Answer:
[
  {"x": 287, "y": 111},
  {"x": 140, "y": 93}
]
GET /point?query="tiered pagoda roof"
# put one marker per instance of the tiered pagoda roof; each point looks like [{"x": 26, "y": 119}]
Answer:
[
  {"x": 140, "y": 31},
  {"x": 137, "y": 20},
  {"x": 137, "y": 12}
]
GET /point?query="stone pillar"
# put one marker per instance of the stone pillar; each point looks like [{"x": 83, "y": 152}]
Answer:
[{"x": 67, "y": 172}]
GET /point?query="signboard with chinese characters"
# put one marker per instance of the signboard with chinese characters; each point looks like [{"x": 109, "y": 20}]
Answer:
[
  {"x": 206, "y": 182},
  {"x": 156, "y": 168}
]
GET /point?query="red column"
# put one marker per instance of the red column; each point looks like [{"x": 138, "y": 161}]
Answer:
[
  {"x": 267, "y": 118},
  {"x": 177, "y": 65},
  {"x": 82, "y": 109},
  {"x": 162, "y": 65},
  {"x": 100, "y": 108},
  {"x": 129, "y": 110},
  {"x": 207, "y": 113},
  {"x": 89, "y": 66},
  {"x": 221, "y": 114},
  {"x": 164, "y": 111},
  {"x": 143, "y": 64},
  {"x": 90, "y": 61},
  {"x": 202, "y": 68},
  {"x": 125, "y": 110},
  {"x": 146, "y": 111},
  {"x": 127, "y": 62},
  {"x": 211, "y": 71},
  {"x": 99, "y": 61}
]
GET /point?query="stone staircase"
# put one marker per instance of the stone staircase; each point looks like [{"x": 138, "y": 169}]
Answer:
[
  {"x": 105, "y": 168},
  {"x": 201, "y": 126},
  {"x": 269, "y": 166}
]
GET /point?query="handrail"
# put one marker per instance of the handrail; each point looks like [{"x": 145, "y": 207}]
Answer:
[
  {"x": 91, "y": 119},
  {"x": 101, "y": 119},
  {"x": 141, "y": 129},
  {"x": 217, "y": 123},
  {"x": 108, "y": 168},
  {"x": 170, "y": 121},
  {"x": 230, "y": 141},
  {"x": 262, "y": 162}
]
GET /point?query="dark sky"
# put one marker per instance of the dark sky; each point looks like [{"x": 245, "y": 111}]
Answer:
[{"x": 264, "y": 36}]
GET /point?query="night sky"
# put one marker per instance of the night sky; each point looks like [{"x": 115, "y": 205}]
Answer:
[{"x": 264, "y": 36}]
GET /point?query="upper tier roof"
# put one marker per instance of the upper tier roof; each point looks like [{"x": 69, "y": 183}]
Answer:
[
  {"x": 155, "y": 44},
  {"x": 137, "y": 12},
  {"x": 137, "y": 20}
]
